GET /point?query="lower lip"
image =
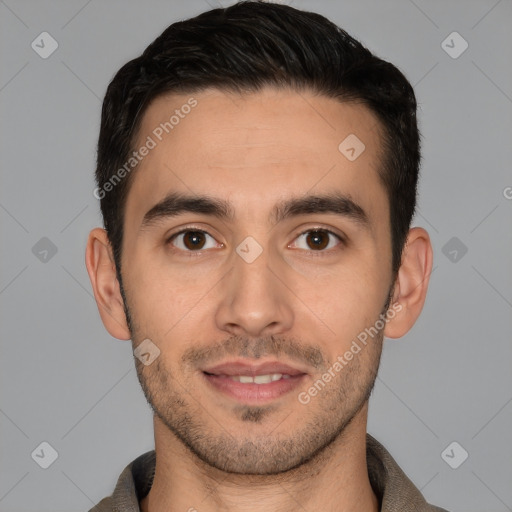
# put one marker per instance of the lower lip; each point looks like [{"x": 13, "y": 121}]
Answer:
[{"x": 251, "y": 392}]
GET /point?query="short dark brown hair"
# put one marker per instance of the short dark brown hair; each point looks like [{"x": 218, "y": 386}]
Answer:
[{"x": 246, "y": 47}]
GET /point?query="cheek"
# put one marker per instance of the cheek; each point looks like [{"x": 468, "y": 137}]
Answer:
[
  {"x": 342, "y": 302},
  {"x": 353, "y": 281},
  {"x": 164, "y": 296}
]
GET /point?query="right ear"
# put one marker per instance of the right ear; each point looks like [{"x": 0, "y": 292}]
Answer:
[{"x": 100, "y": 265}]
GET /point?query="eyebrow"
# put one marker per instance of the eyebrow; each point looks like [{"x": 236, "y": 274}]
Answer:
[
  {"x": 176, "y": 204},
  {"x": 335, "y": 203}
]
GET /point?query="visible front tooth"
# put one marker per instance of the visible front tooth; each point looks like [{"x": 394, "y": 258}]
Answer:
[
  {"x": 259, "y": 379},
  {"x": 262, "y": 379}
]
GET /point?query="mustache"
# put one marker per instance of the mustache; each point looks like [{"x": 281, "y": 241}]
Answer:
[{"x": 244, "y": 347}]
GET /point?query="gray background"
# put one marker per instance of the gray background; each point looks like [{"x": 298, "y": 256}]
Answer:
[{"x": 65, "y": 381}]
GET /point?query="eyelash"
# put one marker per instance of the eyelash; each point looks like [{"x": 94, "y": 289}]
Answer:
[{"x": 296, "y": 236}]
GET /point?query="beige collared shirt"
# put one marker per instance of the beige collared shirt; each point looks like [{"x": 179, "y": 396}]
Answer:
[{"x": 396, "y": 493}]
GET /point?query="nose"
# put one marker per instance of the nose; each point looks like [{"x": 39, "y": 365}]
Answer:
[{"x": 254, "y": 302}]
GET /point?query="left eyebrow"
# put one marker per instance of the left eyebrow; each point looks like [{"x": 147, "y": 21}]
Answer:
[{"x": 337, "y": 204}]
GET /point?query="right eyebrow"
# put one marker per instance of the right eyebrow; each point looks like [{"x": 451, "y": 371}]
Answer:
[{"x": 176, "y": 204}]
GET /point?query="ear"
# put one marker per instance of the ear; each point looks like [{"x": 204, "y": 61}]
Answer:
[
  {"x": 100, "y": 265},
  {"x": 411, "y": 283}
]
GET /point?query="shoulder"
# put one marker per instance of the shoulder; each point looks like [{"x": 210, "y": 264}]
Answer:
[{"x": 391, "y": 485}]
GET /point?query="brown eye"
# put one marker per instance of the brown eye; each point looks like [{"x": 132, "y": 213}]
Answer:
[
  {"x": 194, "y": 240},
  {"x": 316, "y": 240},
  {"x": 190, "y": 240}
]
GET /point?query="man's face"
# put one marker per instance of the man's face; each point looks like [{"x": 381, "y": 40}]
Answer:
[{"x": 272, "y": 275}]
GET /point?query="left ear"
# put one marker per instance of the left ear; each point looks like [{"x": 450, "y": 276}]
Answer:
[{"x": 411, "y": 283}]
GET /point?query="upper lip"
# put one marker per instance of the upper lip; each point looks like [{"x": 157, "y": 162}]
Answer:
[{"x": 232, "y": 368}]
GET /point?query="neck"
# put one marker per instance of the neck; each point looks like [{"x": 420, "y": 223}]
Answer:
[{"x": 334, "y": 480}]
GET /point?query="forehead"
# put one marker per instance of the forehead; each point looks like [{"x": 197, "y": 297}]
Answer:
[{"x": 256, "y": 148}]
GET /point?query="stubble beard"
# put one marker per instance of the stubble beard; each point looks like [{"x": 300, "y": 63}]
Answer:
[
  {"x": 335, "y": 407},
  {"x": 329, "y": 413}
]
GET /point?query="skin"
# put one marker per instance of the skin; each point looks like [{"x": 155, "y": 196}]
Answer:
[{"x": 294, "y": 303}]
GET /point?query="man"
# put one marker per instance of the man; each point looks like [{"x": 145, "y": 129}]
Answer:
[{"x": 257, "y": 171}]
